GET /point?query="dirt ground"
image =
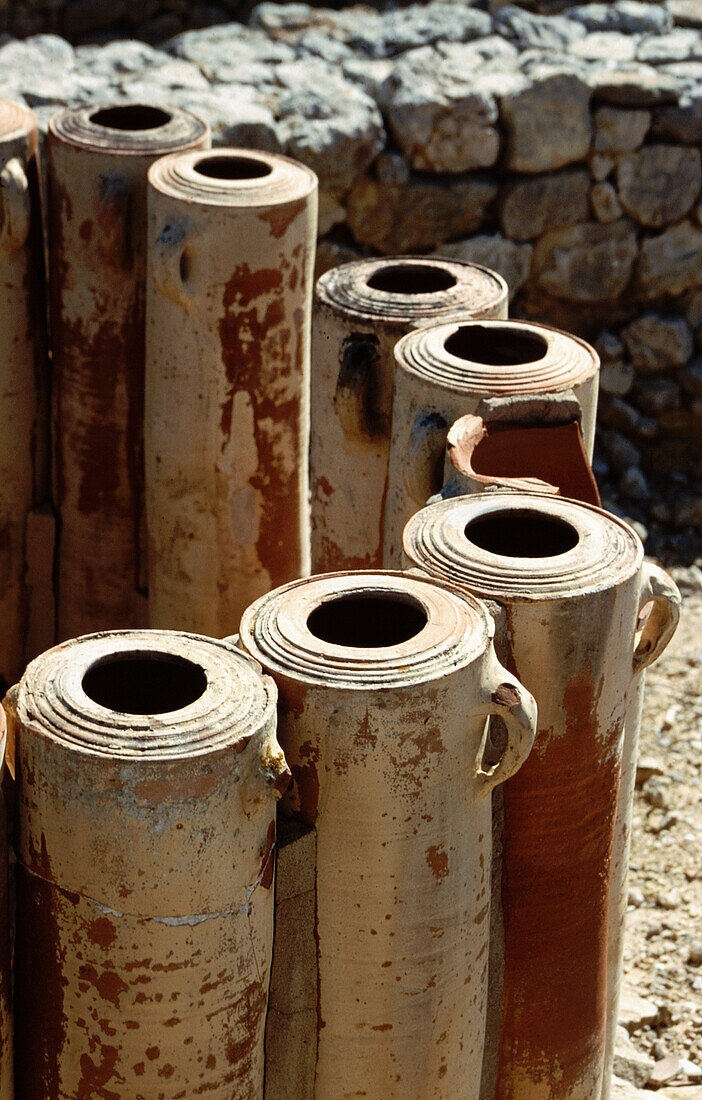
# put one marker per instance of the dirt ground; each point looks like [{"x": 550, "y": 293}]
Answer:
[{"x": 663, "y": 946}]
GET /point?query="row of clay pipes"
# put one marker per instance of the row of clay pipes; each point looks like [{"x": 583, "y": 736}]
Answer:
[{"x": 434, "y": 908}]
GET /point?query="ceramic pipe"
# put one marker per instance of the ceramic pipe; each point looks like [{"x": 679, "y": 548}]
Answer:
[
  {"x": 385, "y": 683},
  {"x": 6, "y": 1028},
  {"x": 361, "y": 310},
  {"x": 232, "y": 238},
  {"x": 97, "y": 163},
  {"x": 23, "y": 391},
  {"x": 446, "y": 371},
  {"x": 568, "y": 584},
  {"x": 147, "y": 771}
]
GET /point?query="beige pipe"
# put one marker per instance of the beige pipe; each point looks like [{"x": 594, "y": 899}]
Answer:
[
  {"x": 6, "y": 1028},
  {"x": 147, "y": 770},
  {"x": 447, "y": 371},
  {"x": 23, "y": 391},
  {"x": 568, "y": 585},
  {"x": 361, "y": 310},
  {"x": 97, "y": 163},
  {"x": 232, "y": 237},
  {"x": 385, "y": 683},
  {"x": 660, "y": 602}
]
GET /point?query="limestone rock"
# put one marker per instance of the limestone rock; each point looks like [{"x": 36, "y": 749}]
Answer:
[
  {"x": 547, "y": 124},
  {"x": 686, "y": 13},
  {"x": 636, "y": 1012},
  {"x": 545, "y": 32},
  {"x": 656, "y": 395},
  {"x": 417, "y": 213},
  {"x": 337, "y": 131},
  {"x": 625, "y": 16},
  {"x": 606, "y": 46},
  {"x": 219, "y": 49},
  {"x": 601, "y": 166},
  {"x": 587, "y": 262},
  {"x": 331, "y": 253},
  {"x": 512, "y": 261},
  {"x": 624, "y": 1090},
  {"x": 543, "y": 202},
  {"x": 670, "y": 262},
  {"x": 616, "y": 378},
  {"x": 669, "y": 48},
  {"x": 439, "y": 121},
  {"x": 620, "y": 131},
  {"x": 659, "y": 184},
  {"x": 605, "y": 202},
  {"x": 680, "y": 121},
  {"x": 633, "y": 85},
  {"x": 658, "y": 343}
]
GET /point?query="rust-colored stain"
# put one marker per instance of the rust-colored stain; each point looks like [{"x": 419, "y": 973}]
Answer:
[
  {"x": 96, "y": 1076},
  {"x": 558, "y": 821},
  {"x": 437, "y": 859},
  {"x": 268, "y": 858},
  {"x": 262, "y": 355},
  {"x": 280, "y": 217},
  {"x": 102, "y": 932},
  {"x": 506, "y": 695}
]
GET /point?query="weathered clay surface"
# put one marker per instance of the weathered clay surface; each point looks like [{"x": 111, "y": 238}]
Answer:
[
  {"x": 444, "y": 371},
  {"x": 98, "y": 158},
  {"x": 23, "y": 377},
  {"x": 6, "y": 1023},
  {"x": 231, "y": 238},
  {"x": 361, "y": 310},
  {"x": 385, "y": 682},
  {"x": 147, "y": 770},
  {"x": 568, "y": 580}
]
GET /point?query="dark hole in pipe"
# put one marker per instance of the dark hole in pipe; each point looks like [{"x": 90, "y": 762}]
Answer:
[
  {"x": 131, "y": 116},
  {"x": 149, "y": 684},
  {"x": 411, "y": 279},
  {"x": 522, "y": 535},
  {"x": 233, "y": 168},
  {"x": 367, "y": 622},
  {"x": 496, "y": 346}
]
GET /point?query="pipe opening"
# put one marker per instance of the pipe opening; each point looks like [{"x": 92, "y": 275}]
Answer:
[
  {"x": 233, "y": 168},
  {"x": 495, "y": 346},
  {"x": 131, "y": 116},
  {"x": 522, "y": 535},
  {"x": 367, "y": 622},
  {"x": 411, "y": 279},
  {"x": 154, "y": 683}
]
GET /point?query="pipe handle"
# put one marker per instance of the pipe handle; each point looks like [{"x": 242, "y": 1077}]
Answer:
[
  {"x": 169, "y": 263},
  {"x": 658, "y": 589},
  {"x": 15, "y": 205},
  {"x": 509, "y": 700}
]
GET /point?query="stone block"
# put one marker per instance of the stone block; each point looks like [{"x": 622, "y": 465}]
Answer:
[
  {"x": 418, "y": 213},
  {"x": 659, "y": 184},
  {"x": 531, "y": 206},
  {"x": 670, "y": 262},
  {"x": 511, "y": 260},
  {"x": 633, "y": 85},
  {"x": 657, "y": 343},
  {"x": 680, "y": 121},
  {"x": 625, "y": 16},
  {"x": 586, "y": 263},
  {"x": 605, "y": 202},
  {"x": 616, "y": 378},
  {"x": 620, "y": 131},
  {"x": 547, "y": 124}
]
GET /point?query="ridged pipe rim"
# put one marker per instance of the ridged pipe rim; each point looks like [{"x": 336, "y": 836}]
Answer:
[
  {"x": 568, "y": 360},
  {"x": 16, "y": 120},
  {"x": 608, "y": 551},
  {"x": 345, "y": 290},
  {"x": 286, "y": 181},
  {"x": 238, "y": 699},
  {"x": 274, "y": 631},
  {"x": 75, "y": 126}
]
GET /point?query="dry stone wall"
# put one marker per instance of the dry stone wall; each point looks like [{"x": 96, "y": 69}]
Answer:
[{"x": 562, "y": 150}]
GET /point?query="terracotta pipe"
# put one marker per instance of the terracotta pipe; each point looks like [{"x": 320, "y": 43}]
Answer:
[
  {"x": 497, "y": 454},
  {"x": 568, "y": 584},
  {"x": 446, "y": 371},
  {"x": 147, "y": 772},
  {"x": 24, "y": 388},
  {"x": 97, "y": 162},
  {"x": 385, "y": 682},
  {"x": 361, "y": 310},
  {"x": 232, "y": 238},
  {"x": 6, "y": 1028}
]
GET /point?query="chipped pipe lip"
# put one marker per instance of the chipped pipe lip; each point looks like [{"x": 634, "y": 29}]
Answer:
[
  {"x": 237, "y": 703},
  {"x": 345, "y": 292},
  {"x": 288, "y": 180},
  {"x": 607, "y": 554},
  {"x": 458, "y": 632},
  {"x": 16, "y": 121},
  {"x": 567, "y": 361},
  {"x": 74, "y": 126}
]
